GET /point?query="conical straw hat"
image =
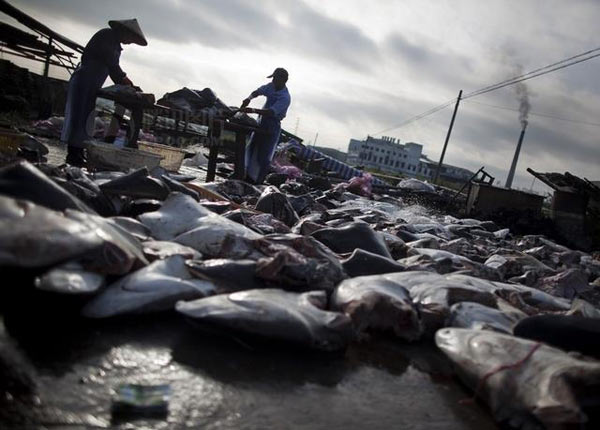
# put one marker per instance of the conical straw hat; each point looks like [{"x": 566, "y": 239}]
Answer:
[{"x": 132, "y": 27}]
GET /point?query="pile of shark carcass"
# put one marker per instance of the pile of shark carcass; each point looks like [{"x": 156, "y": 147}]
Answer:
[{"x": 317, "y": 268}]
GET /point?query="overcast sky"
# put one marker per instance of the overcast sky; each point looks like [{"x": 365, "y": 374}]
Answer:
[{"x": 359, "y": 67}]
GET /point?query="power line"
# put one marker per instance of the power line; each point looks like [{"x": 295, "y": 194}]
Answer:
[
  {"x": 520, "y": 78},
  {"x": 418, "y": 117},
  {"x": 306, "y": 130},
  {"x": 530, "y": 76},
  {"x": 539, "y": 69},
  {"x": 537, "y": 114}
]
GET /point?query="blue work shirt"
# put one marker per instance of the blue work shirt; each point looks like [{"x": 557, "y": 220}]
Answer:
[{"x": 277, "y": 101}]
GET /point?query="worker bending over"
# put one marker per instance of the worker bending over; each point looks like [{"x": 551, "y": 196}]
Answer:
[{"x": 99, "y": 60}]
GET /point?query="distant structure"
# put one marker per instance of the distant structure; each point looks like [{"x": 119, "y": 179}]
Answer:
[
  {"x": 333, "y": 153},
  {"x": 385, "y": 154},
  {"x": 390, "y": 156}
]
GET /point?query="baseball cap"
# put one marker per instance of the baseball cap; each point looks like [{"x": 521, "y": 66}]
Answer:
[{"x": 280, "y": 71}]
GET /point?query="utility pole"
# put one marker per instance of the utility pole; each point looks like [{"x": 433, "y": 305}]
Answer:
[
  {"x": 296, "y": 128},
  {"x": 437, "y": 172},
  {"x": 45, "y": 110},
  {"x": 312, "y": 159}
]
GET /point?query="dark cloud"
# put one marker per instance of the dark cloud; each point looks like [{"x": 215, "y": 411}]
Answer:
[
  {"x": 231, "y": 24},
  {"x": 422, "y": 60},
  {"x": 369, "y": 110},
  {"x": 330, "y": 38}
]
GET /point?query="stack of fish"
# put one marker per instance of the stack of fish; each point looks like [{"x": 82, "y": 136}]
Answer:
[
  {"x": 318, "y": 269},
  {"x": 204, "y": 102}
]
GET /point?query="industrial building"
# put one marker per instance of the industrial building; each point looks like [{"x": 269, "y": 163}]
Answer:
[{"x": 388, "y": 155}]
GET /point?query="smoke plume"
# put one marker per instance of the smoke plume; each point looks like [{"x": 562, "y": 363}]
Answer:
[{"x": 523, "y": 98}]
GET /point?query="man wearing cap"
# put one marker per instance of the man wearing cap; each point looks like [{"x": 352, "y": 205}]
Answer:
[
  {"x": 99, "y": 60},
  {"x": 259, "y": 152}
]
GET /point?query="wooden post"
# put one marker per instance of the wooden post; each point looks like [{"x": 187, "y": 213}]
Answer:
[
  {"x": 240, "y": 155},
  {"x": 48, "y": 55},
  {"x": 437, "y": 172}
]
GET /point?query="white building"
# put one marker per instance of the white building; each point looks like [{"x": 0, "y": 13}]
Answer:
[
  {"x": 385, "y": 154},
  {"x": 389, "y": 155}
]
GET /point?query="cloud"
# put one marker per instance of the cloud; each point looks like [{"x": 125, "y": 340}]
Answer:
[{"x": 231, "y": 24}]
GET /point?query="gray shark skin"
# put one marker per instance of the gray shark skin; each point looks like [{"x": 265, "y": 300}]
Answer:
[
  {"x": 275, "y": 315},
  {"x": 539, "y": 386},
  {"x": 70, "y": 278},
  {"x": 34, "y": 236},
  {"x": 154, "y": 288}
]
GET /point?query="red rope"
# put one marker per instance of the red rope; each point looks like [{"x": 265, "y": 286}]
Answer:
[{"x": 500, "y": 368}]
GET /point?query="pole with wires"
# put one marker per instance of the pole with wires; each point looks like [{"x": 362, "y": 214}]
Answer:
[{"x": 437, "y": 172}]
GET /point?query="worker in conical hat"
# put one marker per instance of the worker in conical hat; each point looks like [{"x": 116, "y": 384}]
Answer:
[{"x": 99, "y": 60}]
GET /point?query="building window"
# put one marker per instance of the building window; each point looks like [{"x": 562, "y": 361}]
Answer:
[
  {"x": 402, "y": 165},
  {"x": 397, "y": 162},
  {"x": 380, "y": 160}
]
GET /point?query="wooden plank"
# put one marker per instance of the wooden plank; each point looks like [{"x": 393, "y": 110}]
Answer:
[
  {"x": 35, "y": 25},
  {"x": 215, "y": 197},
  {"x": 240, "y": 156}
]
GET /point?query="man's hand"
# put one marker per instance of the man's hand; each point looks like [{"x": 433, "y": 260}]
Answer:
[
  {"x": 127, "y": 81},
  {"x": 245, "y": 103}
]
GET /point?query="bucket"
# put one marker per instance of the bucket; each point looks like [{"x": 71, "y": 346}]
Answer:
[{"x": 172, "y": 157}]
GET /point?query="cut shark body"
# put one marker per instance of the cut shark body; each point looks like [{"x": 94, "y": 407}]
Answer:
[
  {"x": 275, "y": 315},
  {"x": 154, "y": 288},
  {"x": 524, "y": 383}
]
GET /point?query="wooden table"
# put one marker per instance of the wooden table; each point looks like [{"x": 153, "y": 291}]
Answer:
[
  {"x": 214, "y": 133},
  {"x": 215, "y": 141},
  {"x": 137, "y": 112}
]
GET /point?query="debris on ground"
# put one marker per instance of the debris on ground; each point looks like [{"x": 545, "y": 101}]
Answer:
[{"x": 137, "y": 400}]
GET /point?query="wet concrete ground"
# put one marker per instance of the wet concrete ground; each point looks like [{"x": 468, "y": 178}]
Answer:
[{"x": 221, "y": 384}]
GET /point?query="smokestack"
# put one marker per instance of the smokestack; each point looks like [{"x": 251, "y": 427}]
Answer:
[{"x": 513, "y": 166}]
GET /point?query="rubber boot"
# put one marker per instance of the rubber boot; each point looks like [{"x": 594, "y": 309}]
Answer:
[{"x": 76, "y": 156}]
